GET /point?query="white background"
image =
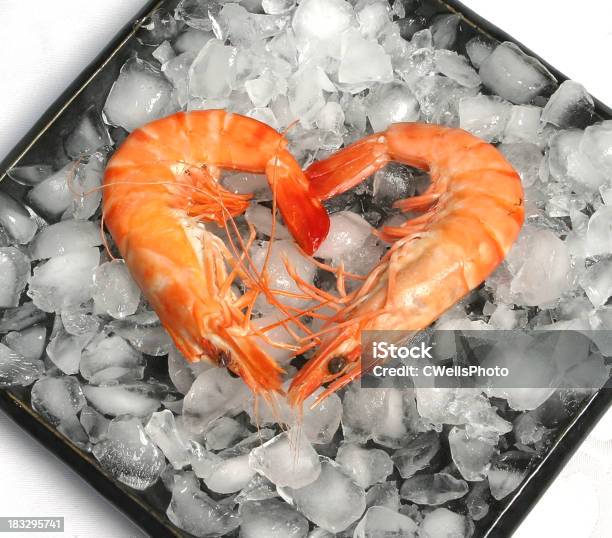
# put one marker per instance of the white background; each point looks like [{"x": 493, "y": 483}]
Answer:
[{"x": 43, "y": 47}]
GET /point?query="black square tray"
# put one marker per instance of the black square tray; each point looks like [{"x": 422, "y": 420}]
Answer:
[{"x": 147, "y": 509}]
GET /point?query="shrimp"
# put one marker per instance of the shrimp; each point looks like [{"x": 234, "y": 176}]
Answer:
[
  {"x": 158, "y": 185},
  {"x": 471, "y": 215}
]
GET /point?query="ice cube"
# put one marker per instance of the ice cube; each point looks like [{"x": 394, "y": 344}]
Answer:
[
  {"x": 331, "y": 117},
  {"x": 333, "y": 501},
  {"x": 442, "y": 523},
  {"x": 484, "y": 116},
  {"x": 213, "y": 394},
  {"x": 533, "y": 373},
  {"x": 261, "y": 90},
  {"x": 528, "y": 429},
  {"x": 399, "y": 418},
  {"x": 53, "y": 196},
  {"x": 64, "y": 237},
  {"x": 144, "y": 331},
  {"x": 305, "y": 94},
  {"x": 163, "y": 432},
  {"x": 176, "y": 70},
  {"x": 372, "y": 16},
  {"x": 416, "y": 454},
  {"x": 278, "y": 277},
  {"x": 444, "y": 31},
  {"x": 195, "y": 512},
  {"x": 272, "y": 519},
  {"x": 513, "y": 75},
  {"x": 15, "y": 219},
  {"x": 391, "y": 103},
  {"x": 261, "y": 217},
  {"x": 348, "y": 231},
  {"x": 18, "y": 370},
  {"x": 596, "y": 281},
  {"x": 478, "y": 500},
  {"x": 140, "y": 95},
  {"x": 506, "y": 474},
  {"x": 213, "y": 72},
  {"x": 192, "y": 40},
  {"x": 138, "y": 399},
  {"x": 79, "y": 320},
  {"x": 94, "y": 423},
  {"x": 89, "y": 135},
  {"x": 246, "y": 183},
  {"x": 362, "y": 62},
  {"x": 277, "y": 7},
  {"x": 247, "y": 29},
  {"x": 58, "y": 400},
  {"x": 156, "y": 28},
  {"x": 460, "y": 406},
  {"x": 29, "y": 343},
  {"x": 279, "y": 335},
  {"x": 597, "y": 145},
  {"x": 14, "y": 274},
  {"x": 164, "y": 52},
  {"x": 287, "y": 460},
  {"x": 264, "y": 115},
  {"x": 525, "y": 158},
  {"x": 65, "y": 350},
  {"x": 384, "y": 494},
  {"x": 230, "y": 470},
  {"x": 224, "y": 432},
  {"x": 322, "y": 533},
  {"x": 230, "y": 474},
  {"x": 115, "y": 293},
  {"x": 194, "y": 13},
  {"x": 21, "y": 317},
  {"x": 570, "y": 106},
  {"x": 183, "y": 373},
  {"x": 381, "y": 521},
  {"x": 566, "y": 159},
  {"x": 318, "y": 25},
  {"x": 202, "y": 461},
  {"x": 386, "y": 415},
  {"x": 64, "y": 280},
  {"x": 457, "y": 68},
  {"x": 85, "y": 188},
  {"x": 111, "y": 358},
  {"x": 129, "y": 455},
  {"x": 259, "y": 488},
  {"x": 365, "y": 466},
  {"x": 362, "y": 260},
  {"x": 599, "y": 231},
  {"x": 523, "y": 124},
  {"x": 539, "y": 263},
  {"x": 478, "y": 49},
  {"x": 433, "y": 489},
  {"x": 30, "y": 174},
  {"x": 320, "y": 423},
  {"x": 471, "y": 454}
]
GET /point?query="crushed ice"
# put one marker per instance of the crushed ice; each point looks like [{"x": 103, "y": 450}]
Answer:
[{"x": 366, "y": 462}]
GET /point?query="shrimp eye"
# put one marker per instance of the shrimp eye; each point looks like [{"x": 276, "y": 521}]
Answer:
[
  {"x": 224, "y": 358},
  {"x": 336, "y": 365}
]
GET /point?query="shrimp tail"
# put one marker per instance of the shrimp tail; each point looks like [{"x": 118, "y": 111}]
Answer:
[
  {"x": 347, "y": 168},
  {"x": 303, "y": 213}
]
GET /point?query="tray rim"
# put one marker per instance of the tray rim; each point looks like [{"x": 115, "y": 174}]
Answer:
[{"x": 522, "y": 500}]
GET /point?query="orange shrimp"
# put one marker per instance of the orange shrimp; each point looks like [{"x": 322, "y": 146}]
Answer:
[
  {"x": 158, "y": 185},
  {"x": 472, "y": 213}
]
